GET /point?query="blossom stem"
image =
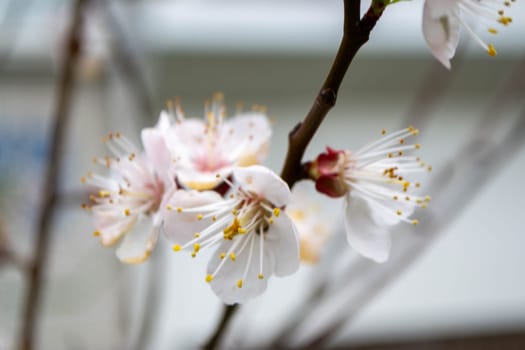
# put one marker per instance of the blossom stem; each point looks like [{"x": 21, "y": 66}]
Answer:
[
  {"x": 214, "y": 341},
  {"x": 356, "y": 33},
  {"x": 49, "y": 195}
]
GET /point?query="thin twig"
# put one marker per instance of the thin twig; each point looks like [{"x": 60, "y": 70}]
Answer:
[
  {"x": 56, "y": 142},
  {"x": 229, "y": 311},
  {"x": 356, "y": 32}
]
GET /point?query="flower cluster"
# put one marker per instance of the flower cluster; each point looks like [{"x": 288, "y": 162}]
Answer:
[{"x": 197, "y": 181}]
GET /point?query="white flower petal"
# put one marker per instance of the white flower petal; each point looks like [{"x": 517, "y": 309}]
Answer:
[
  {"x": 440, "y": 30},
  {"x": 225, "y": 283},
  {"x": 155, "y": 147},
  {"x": 138, "y": 243},
  {"x": 282, "y": 239},
  {"x": 180, "y": 227},
  {"x": 263, "y": 181},
  {"x": 247, "y": 136},
  {"x": 363, "y": 233}
]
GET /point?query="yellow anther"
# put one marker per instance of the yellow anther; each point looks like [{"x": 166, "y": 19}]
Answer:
[
  {"x": 493, "y": 31},
  {"x": 239, "y": 283},
  {"x": 418, "y": 185},
  {"x": 492, "y": 50},
  {"x": 415, "y": 222},
  {"x": 169, "y": 207},
  {"x": 193, "y": 254},
  {"x": 383, "y": 132},
  {"x": 127, "y": 212},
  {"x": 415, "y": 132},
  {"x": 406, "y": 184},
  {"x": 401, "y": 141},
  {"x": 176, "y": 247},
  {"x": 427, "y": 198},
  {"x": 399, "y": 212},
  {"x": 213, "y": 218},
  {"x": 419, "y": 201},
  {"x": 222, "y": 255},
  {"x": 232, "y": 256},
  {"x": 424, "y": 205},
  {"x": 395, "y": 198},
  {"x": 196, "y": 235},
  {"x": 417, "y": 146},
  {"x": 96, "y": 233},
  {"x": 179, "y": 209},
  {"x": 199, "y": 216},
  {"x": 276, "y": 211},
  {"x": 83, "y": 180},
  {"x": 260, "y": 276},
  {"x": 242, "y": 230},
  {"x": 196, "y": 247},
  {"x": 218, "y": 176},
  {"x": 407, "y": 198},
  {"x": 209, "y": 278},
  {"x": 429, "y": 168},
  {"x": 103, "y": 193},
  {"x": 270, "y": 220},
  {"x": 390, "y": 155},
  {"x": 233, "y": 229},
  {"x": 234, "y": 211},
  {"x": 505, "y": 20}
]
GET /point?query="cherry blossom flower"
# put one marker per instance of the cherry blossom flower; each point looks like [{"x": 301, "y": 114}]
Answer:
[
  {"x": 253, "y": 236},
  {"x": 201, "y": 149},
  {"x": 377, "y": 193},
  {"x": 126, "y": 204},
  {"x": 443, "y": 19}
]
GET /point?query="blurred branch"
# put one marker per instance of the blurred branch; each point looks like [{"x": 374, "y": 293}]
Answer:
[
  {"x": 52, "y": 179},
  {"x": 127, "y": 61},
  {"x": 214, "y": 341},
  {"x": 7, "y": 255},
  {"x": 454, "y": 187},
  {"x": 432, "y": 88},
  {"x": 356, "y": 33}
]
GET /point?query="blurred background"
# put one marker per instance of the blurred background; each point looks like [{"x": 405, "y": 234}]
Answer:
[{"x": 456, "y": 279}]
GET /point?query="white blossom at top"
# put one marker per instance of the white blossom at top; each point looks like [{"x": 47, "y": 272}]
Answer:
[
  {"x": 128, "y": 197},
  {"x": 253, "y": 236},
  {"x": 443, "y": 19},
  {"x": 201, "y": 149},
  {"x": 376, "y": 189}
]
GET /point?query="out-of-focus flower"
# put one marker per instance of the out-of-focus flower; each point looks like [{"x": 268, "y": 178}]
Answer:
[
  {"x": 443, "y": 19},
  {"x": 129, "y": 196},
  {"x": 314, "y": 224},
  {"x": 255, "y": 239},
  {"x": 201, "y": 149},
  {"x": 376, "y": 191}
]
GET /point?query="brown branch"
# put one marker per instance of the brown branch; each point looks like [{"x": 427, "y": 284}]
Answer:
[
  {"x": 56, "y": 142},
  {"x": 215, "y": 339},
  {"x": 356, "y": 32}
]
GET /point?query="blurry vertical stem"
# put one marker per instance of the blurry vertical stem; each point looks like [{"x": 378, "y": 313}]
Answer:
[
  {"x": 356, "y": 32},
  {"x": 229, "y": 311},
  {"x": 52, "y": 179}
]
